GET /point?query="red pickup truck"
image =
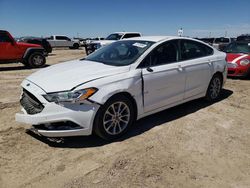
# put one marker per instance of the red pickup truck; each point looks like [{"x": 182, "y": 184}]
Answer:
[{"x": 31, "y": 55}]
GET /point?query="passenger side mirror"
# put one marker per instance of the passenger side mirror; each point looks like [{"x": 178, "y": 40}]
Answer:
[{"x": 149, "y": 69}]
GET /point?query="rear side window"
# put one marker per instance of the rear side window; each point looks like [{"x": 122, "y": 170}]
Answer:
[
  {"x": 61, "y": 38},
  {"x": 131, "y": 35},
  {"x": 192, "y": 49},
  {"x": 4, "y": 38}
]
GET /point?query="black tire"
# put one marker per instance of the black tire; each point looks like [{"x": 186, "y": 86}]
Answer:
[
  {"x": 25, "y": 63},
  {"x": 214, "y": 88},
  {"x": 75, "y": 46},
  {"x": 36, "y": 60},
  {"x": 101, "y": 129}
]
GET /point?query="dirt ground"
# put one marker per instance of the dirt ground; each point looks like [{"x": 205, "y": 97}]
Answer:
[{"x": 192, "y": 145}]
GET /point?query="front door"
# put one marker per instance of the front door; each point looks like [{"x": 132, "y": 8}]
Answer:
[
  {"x": 163, "y": 77},
  {"x": 8, "y": 49}
]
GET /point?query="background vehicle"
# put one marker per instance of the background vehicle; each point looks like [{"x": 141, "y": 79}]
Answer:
[
  {"x": 93, "y": 45},
  {"x": 86, "y": 41},
  {"x": 238, "y": 58},
  {"x": 207, "y": 40},
  {"x": 120, "y": 83},
  {"x": 245, "y": 37},
  {"x": 222, "y": 42},
  {"x": 63, "y": 41},
  {"x": 37, "y": 40},
  {"x": 31, "y": 55}
]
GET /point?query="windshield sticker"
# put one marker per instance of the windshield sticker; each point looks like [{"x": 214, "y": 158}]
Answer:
[{"x": 139, "y": 45}]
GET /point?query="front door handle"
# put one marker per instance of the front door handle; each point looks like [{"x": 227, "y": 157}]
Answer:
[{"x": 180, "y": 68}]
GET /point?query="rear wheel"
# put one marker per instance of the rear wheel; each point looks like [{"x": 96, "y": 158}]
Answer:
[
  {"x": 36, "y": 60},
  {"x": 114, "y": 118},
  {"x": 214, "y": 88}
]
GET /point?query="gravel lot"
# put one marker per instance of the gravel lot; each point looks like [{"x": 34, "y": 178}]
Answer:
[{"x": 192, "y": 145}]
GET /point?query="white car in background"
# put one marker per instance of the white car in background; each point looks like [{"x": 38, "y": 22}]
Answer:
[
  {"x": 94, "y": 45},
  {"x": 120, "y": 83},
  {"x": 63, "y": 41}
]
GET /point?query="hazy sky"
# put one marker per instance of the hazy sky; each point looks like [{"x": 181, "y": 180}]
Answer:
[{"x": 150, "y": 17}]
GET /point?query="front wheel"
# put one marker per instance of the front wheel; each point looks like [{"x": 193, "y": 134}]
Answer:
[
  {"x": 36, "y": 60},
  {"x": 76, "y": 46},
  {"x": 114, "y": 118},
  {"x": 214, "y": 88}
]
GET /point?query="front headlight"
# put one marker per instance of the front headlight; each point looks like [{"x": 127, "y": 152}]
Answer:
[
  {"x": 70, "y": 96},
  {"x": 244, "y": 62}
]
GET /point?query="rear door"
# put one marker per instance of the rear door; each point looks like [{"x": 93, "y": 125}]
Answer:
[
  {"x": 197, "y": 62},
  {"x": 163, "y": 77}
]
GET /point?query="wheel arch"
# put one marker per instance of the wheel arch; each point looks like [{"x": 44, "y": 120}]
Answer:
[
  {"x": 129, "y": 96},
  {"x": 220, "y": 74},
  {"x": 29, "y": 51}
]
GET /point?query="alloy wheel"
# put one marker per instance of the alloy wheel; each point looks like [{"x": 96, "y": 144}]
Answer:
[
  {"x": 215, "y": 88},
  {"x": 38, "y": 60},
  {"x": 116, "y": 118}
]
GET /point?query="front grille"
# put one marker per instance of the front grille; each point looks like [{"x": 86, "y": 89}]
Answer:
[
  {"x": 30, "y": 103},
  {"x": 231, "y": 72}
]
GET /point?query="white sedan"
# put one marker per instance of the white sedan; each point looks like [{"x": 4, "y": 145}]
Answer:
[{"x": 109, "y": 90}]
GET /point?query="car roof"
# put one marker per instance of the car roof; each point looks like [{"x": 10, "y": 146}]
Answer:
[
  {"x": 123, "y": 32},
  {"x": 158, "y": 38},
  {"x": 3, "y": 31}
]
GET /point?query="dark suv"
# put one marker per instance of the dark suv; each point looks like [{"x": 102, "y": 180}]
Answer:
[
  {"x": 37, "y": 40},
  {"x": 245, "y": 37}
]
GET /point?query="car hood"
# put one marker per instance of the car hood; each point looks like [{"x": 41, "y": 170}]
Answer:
[
  {"x": 66, "y": 76},
  {"x": 27, "y": 45},
  {"x": 235, "y": 57}
]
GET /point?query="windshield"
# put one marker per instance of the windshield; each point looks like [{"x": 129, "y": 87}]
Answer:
[
  {"x": 115, "y": 36},
  {"x": 120, "y": 53},
  {"x": 238, "y": 48}
]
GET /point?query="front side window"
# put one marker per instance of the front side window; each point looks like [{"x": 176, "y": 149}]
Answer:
[
  {"x": 4, "y": 38},
  {"x": 131, "y": 35},
  {"x": 192, "y": 49},
  {"x": 163, "y": 54},
  {"x": 120, "y": 53}
]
